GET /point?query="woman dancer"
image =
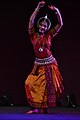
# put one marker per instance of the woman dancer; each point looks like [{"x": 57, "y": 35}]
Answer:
[{"x": 44, "y": 84}]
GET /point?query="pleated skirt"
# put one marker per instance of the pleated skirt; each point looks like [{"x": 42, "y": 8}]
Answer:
[{"x": 44, "y": 85}]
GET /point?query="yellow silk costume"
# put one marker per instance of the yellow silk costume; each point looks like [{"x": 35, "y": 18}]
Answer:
[{"x": 36, "y": 89}]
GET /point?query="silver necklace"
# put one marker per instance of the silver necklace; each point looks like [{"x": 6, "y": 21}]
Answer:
[{"x": 41, "y": 47}]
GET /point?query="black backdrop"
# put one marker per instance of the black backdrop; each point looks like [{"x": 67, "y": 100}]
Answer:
[{"x": 16, "y": 51}]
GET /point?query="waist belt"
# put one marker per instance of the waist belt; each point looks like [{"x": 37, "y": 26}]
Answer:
[{"x": 44, "y": 61}]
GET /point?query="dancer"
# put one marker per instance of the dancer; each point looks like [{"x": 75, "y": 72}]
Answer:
[{"x": 44, "y": 84}]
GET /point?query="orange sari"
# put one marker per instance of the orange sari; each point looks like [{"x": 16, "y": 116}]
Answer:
[
  {"x": 44, "y": 84},
  {"x": 43, "y": 88}
]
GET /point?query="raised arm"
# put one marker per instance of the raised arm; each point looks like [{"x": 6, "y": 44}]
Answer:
[
  {"x": 59, "y": 17},
  {"x": 33, "y": 16}
]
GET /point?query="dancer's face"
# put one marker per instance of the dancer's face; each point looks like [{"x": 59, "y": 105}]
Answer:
[{"x": 43, "y": 27}]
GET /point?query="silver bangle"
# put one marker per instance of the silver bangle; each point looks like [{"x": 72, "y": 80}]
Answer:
[{"x": 37, "y": 9}]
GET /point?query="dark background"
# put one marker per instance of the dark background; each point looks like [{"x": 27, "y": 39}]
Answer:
[{"x": 17, "y": 55}]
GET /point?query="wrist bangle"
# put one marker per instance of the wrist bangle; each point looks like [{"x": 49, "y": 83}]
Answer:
[{"x": 37, "y": 9}]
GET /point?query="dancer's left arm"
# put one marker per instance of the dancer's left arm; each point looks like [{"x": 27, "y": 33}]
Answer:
[{"x": 59, "y": 17}]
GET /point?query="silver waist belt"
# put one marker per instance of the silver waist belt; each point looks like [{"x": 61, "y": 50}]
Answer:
[{"x": 44, "y": 61}]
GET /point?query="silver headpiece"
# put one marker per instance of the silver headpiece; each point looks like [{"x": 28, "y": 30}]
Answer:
[{"x": 45, "y": 19}]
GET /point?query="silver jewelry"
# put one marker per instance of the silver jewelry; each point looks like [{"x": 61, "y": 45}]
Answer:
[
  {"x": 45, "y": 19},
  {"x": 40, "y": 49}
]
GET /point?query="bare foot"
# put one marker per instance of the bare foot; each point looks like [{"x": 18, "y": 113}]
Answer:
[{"x": 35, "y": 111}]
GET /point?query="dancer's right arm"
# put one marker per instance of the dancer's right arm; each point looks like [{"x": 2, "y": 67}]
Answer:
[{"x": 32, "y": 17}]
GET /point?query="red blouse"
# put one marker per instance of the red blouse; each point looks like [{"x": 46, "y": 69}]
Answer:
[{"x": 41, "y": 43}]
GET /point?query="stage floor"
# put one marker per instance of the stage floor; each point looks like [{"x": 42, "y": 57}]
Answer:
[{"x": 58, "y": 113}]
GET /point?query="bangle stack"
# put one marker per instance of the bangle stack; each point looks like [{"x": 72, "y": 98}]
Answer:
[{"x": 37, "y": 9}]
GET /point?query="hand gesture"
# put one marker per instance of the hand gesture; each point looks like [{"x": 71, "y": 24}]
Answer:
[{"x": 41, "y": 4}]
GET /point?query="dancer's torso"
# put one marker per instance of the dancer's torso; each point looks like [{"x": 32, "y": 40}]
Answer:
[{"x": 41, "y": 45}]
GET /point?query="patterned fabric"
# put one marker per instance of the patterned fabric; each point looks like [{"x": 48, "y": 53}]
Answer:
[
  {"x": 44, "y": 61},
  {"x": 43, "y": 86}
]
